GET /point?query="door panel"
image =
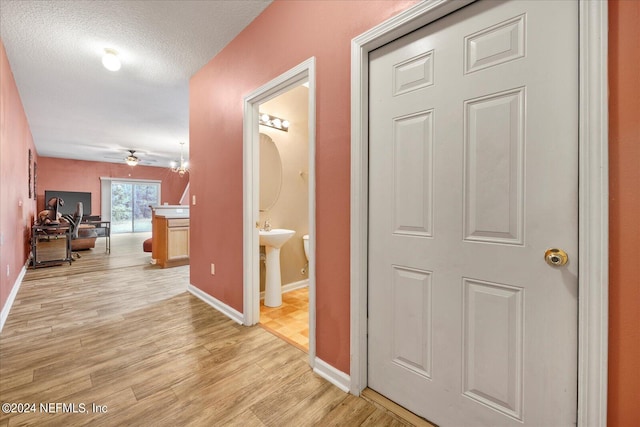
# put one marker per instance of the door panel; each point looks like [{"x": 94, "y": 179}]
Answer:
[
  {"x": 411, "y": 307},
  {"x": 492, "y": 345},
  {"x": 493, "y": 167},
  {"x": 412, "y": 171},
  {"x": 472, "y": 175}
]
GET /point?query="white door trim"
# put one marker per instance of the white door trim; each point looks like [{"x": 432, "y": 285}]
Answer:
[
  {"x": 593, "y": 195},
  {"x": 305, "y": 71}
]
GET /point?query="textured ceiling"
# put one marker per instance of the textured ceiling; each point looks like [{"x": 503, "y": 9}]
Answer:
[{"x": 79, "y": 110}]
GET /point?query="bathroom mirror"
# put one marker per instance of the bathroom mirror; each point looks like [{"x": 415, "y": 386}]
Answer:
[{"x": 270, "y": 173}]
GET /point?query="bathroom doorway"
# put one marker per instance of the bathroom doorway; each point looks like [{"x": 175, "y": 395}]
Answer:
[
  {"x": 279, "y": 193},
  {"x": 284, "y": 205}
]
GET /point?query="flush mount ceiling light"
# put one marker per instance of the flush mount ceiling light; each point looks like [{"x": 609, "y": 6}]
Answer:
[
  {"x": 110, "y": 60},
  {"x": 274, "y": 122},
  {"x": 131, "y": 159},
  {"x": 184, "y": 166}
]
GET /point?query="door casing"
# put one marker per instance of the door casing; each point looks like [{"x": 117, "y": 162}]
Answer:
[
  {"x": 592, "y": 193},
  {"x": 304, "y": 72}
]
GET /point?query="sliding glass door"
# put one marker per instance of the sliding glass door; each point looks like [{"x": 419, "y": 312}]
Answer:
[{"x": 130, "y": 202}]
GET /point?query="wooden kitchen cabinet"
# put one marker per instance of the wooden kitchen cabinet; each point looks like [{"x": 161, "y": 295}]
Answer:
[{"x": 170, "y": 241}]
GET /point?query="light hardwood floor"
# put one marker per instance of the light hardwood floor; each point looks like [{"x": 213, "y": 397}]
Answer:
[
  {"x": 290, "y": 321},
  {"x": 115, "y": 331}
]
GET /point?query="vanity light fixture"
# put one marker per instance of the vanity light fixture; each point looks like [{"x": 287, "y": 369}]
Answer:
[
  {"x": 274, "y": 122},
  {"x": 110, "y": 60},
  {"x": 183, "y": 168}
]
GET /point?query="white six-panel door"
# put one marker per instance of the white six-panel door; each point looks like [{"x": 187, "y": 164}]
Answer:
[{"x": 473, "y": 168}]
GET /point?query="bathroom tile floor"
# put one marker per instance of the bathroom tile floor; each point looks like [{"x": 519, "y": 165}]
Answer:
[{"x": 290, "y": 321}]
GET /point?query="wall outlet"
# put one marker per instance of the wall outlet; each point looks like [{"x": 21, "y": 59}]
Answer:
[
  {"x": 193, "y": 200},
  {"x": 213, "y": 269}
]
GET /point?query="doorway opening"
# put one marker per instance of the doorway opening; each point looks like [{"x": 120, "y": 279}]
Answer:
[
  {"x": 279, "y": 194},
  {"x": 284, "y": 204}
]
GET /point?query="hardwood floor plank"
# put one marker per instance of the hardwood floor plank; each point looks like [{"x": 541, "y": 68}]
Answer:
[
  {"x": 313, "y": 408},
  {"x": 235, "y": 394},
  {"x": 15, "y": 379},
  {"x": 383, "y": 419},
  {"x": 272, "y": 407},
  {"x": 167, "y": 371},
  {"x": 156, "y": 410},
  {"x": 114, "y": 331},
  {"x": 38, "y": 392},
  {"x": 352, "y": 409}
]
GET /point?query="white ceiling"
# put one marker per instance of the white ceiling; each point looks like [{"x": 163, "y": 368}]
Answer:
[{"x": 79, "y": 110}]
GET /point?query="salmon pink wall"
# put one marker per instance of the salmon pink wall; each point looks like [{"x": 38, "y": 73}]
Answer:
[
  {"x": 16, "y": 208},
  {"x": 624, "y": 211},
  {"x": 283, "y": 36},
  {"x": 80, "y": 175}
]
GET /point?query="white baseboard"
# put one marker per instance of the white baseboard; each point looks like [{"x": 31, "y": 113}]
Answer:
[
  {"x": 223, "y": 308},
  {"x": 291, "y": 287},
  {"x": 333, "y": 375},
  {"x": 12, "y": 297}
]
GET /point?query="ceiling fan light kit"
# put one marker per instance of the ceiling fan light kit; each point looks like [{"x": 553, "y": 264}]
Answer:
[{"x": 131, "y": 159}]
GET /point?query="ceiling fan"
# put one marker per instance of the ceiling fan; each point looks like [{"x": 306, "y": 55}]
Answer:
[{"x": 132, "y": 159}]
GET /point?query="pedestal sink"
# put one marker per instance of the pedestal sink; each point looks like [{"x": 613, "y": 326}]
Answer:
[{"x": 273, "y": 241}]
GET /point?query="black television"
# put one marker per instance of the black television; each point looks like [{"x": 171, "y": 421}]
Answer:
[{"x": 71, "y": 198}]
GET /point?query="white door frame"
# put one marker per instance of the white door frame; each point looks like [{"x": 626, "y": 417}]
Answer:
[
  {"x": 304, "y": 72},
  {"x": 593, "y": 195}
]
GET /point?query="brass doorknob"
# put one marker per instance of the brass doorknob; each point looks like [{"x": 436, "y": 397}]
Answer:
[{"x": 556, "y": 257}]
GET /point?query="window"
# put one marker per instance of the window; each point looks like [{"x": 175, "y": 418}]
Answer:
[{"x": 127, "y": 204}]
